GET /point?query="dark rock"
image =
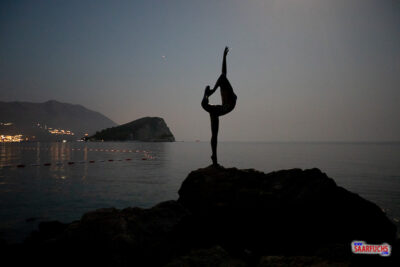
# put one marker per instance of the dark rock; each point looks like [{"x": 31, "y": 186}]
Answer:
[
  {"x": 46, "y": 231},
  {"x": 117, "y": 237},
  {"x": 223, "y": 217},
  {"x": 289, "y": 211},
  {"x": 299, "y": 261},
  {"x": 212, "y": 257},
  {"x": 31, "y": 219}
]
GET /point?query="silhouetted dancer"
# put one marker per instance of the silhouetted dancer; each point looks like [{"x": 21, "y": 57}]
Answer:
[{"x": 228, "y": 103}]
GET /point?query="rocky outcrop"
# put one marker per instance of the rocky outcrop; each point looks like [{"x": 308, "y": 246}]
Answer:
[
  {"x": 147, "y": 129},
  {"x": 224, "y": 217},
  {"x": 115, "y": 237},
  {"x": 284, "y": 211},
  {"x": 210, "y": 257}
]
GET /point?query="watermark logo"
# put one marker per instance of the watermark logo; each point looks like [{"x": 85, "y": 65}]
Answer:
[{"x": 360, "y": 247}]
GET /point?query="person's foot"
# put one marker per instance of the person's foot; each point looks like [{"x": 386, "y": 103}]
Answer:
[
  {"x": 226, "y": 50},
  {"x": 216, "y": 167},
  {"x": 214, "y": 160},
  {"x": 208, "y": 91}
]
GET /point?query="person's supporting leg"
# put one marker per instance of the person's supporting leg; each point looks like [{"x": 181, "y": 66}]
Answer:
[
  {"x": 215, "y": 111},
  {"x": 214, "y": 137}
]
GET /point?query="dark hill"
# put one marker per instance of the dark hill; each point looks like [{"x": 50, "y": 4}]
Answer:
[
  {"x": 33, "y": 119},
  {"x": 148, "y": 129}
]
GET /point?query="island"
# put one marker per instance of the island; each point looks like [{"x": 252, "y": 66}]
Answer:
[{"x": 147, "y": 129}]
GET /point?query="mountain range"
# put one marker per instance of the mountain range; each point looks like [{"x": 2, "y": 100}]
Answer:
[{"x": 51, "y": 120}]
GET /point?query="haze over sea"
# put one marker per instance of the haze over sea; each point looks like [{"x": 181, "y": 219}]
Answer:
[{"x": 155, "y": 171}]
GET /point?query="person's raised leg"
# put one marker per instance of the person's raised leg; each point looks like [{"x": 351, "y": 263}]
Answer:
[
  {"x": 227, "y": 94},
  {"x": 224, "y": 61},
  {"x": 221, "y": 80}
]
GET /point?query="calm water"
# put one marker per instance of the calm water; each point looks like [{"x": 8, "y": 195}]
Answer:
[{"x": 64, "y": 192}]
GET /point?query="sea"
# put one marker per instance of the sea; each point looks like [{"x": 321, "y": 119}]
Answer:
[{"x": 61, "y": 181}]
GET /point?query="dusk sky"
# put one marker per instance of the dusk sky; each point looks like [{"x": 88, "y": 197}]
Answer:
[{"x": 303, "y": 70}]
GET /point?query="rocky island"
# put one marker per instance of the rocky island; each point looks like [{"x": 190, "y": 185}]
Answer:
[
  {"x": 147, "y": 129},
  {"x": 223, "y": 217}
]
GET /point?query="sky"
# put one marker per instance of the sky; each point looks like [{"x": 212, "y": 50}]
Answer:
[{"x": 303, "y": 70}]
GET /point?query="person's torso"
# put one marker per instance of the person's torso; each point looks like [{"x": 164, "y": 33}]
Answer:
[{"x": 228, "y": 97}]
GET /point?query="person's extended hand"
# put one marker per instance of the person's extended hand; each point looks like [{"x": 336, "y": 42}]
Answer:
[{"x": 226, "y": 50}]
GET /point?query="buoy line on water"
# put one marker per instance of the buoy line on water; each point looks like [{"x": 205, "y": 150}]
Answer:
[
  {"x": 146, "y": 156},
  {"x": 69, "y": 163},
  {"x": 87, "y": 149}
]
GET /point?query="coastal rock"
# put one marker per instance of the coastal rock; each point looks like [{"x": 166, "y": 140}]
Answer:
[
  {"x": 299, "y": 261},
  {"x": 147, "y": 129},
  {"x": 279, "y": 212},
  {"x": 46, "y": 231},
  {"x": 211, "y": 257},
  {"x": 223, "y": 217},
  {"x": 141, "y": 236},
  {"x": 108, "y": 237}
]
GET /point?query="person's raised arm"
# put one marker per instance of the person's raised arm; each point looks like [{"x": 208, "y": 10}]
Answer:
[{"x": 224, "y": 60}]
